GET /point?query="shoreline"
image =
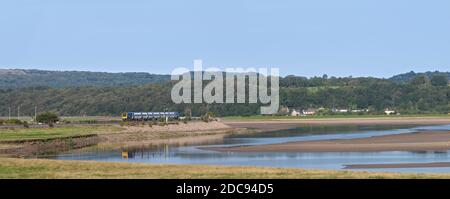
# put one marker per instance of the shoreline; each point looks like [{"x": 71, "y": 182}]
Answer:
[{"x": 179, "y": 135}]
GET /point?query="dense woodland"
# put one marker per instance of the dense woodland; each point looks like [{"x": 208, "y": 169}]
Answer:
[
  {"x": 85, "y": 93},
  {"x": 17, "y": 78}
]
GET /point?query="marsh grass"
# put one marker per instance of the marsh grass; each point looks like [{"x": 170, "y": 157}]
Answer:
[
  {"x": 27, "y": 168},
  {"x": 22, "y": 134}
]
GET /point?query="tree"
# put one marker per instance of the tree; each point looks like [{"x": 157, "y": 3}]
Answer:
[
  {"x": 439, "y": 80},
  {"x": 47, "y": 118},
  {"x": 420, "y": 80}
]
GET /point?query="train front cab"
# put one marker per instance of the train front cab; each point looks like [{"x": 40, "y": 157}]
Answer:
[{"x": 125, "y": 117}]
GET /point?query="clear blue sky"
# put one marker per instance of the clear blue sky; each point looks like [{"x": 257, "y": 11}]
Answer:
[{"x": 341, "y": 38}]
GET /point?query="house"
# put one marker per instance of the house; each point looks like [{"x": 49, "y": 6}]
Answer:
[
  {"x": 309, "y": 111},
  {"x": 295, "y": 113},
  {"x": 335, "y": 110},
  {"x": 389, "y": 112},
  {"x": 284, "y": 111},
  {"x": 359, "y": 110}
]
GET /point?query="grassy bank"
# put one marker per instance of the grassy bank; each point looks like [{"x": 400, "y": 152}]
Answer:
[
  {"x": 263, "y": 117},
  {"x": 23, "y": 134},
  {"x": 20, "y": 168}
]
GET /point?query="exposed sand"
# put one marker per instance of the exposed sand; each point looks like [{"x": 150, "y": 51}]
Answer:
[
  {"x": 181, "y": 134},
  {"x": 397, "y": 166},
  {"x": 421, "y": 141},
  {"x": 268, "y": 125}
]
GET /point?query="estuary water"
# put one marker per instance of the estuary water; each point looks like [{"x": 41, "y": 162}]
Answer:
[{"x": 197, "y": 154}]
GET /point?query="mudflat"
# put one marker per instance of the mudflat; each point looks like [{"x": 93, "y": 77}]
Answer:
[
  {"x": 398, "y": 166},
  {"x": 419, "y": 141},
  {"x": 276, "y": 124}
]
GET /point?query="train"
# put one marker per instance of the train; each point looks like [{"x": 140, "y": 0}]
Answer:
[{"x": 145, "y": 116}]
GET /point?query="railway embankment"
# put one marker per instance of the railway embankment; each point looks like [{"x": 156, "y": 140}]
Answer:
[
  {"x": 34, "y": 147},
  {"x": 23, "y": 142}
]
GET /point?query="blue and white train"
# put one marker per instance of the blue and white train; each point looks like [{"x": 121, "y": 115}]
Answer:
[{"x": 144, "y": 116}]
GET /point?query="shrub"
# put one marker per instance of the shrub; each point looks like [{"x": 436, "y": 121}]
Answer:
[
  {"x": 25, "y": 124},
  {"x": 208, "y": 117},
  {"x": 47, "y": 118},
  {"x": 14, "y": 121},
  {"x": 66, "y": 121},
  {"x": 88, "y": 121}
]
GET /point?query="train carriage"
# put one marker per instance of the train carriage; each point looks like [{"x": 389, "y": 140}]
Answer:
[{"x": 145, "y": 116}]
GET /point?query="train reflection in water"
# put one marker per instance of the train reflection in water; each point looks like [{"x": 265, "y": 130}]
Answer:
[{"x": 160, "y": 151}]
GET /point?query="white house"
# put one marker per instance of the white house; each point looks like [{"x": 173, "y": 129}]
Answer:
[
  {"x": 389, "y": 112},
  {"x": 309, "y": 111},
  {"x": 359, "y": 110},
  {"x": 295, "y": 113},
  {"x": 335, "y": 110}
]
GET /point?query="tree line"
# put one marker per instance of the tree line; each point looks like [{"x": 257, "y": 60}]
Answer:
[{"x": 419, "y": 94}]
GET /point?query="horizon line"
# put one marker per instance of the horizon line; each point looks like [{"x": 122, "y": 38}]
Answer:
[{"x": 147, "y": 72}]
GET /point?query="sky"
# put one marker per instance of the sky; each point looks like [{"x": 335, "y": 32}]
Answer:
[{"x": 377, "y": 38}]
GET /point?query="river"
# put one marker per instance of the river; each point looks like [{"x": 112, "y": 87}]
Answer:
[{"x": 197, "y": 154}]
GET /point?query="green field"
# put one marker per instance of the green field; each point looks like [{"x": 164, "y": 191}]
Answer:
[
  {"x": 11, "y": 168},
  {"x": 21, "y": 134},
  {"x": 73, "y": 118},
  {"x": 91, "y": 118}
]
